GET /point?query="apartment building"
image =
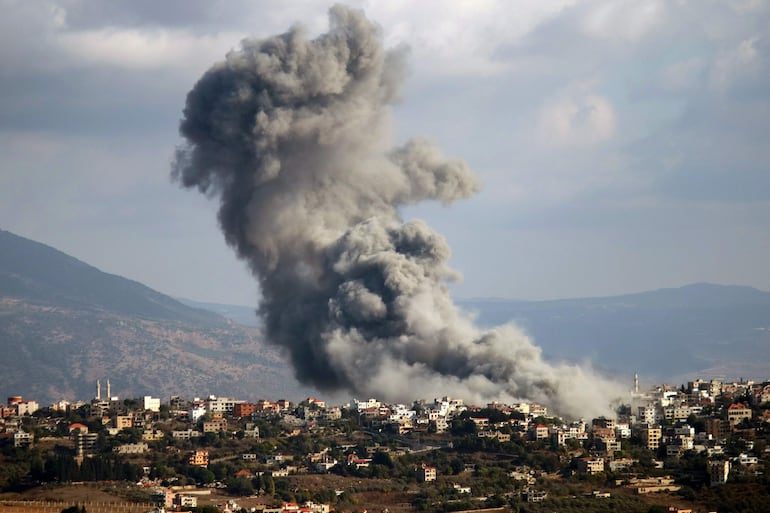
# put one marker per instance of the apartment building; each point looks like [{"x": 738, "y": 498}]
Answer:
[{"x": 651, "y": 437}]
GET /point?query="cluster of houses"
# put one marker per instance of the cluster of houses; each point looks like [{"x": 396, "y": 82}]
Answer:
[
  {"x": 168, "y": 498},
  {"x": 660, "y": 419}
]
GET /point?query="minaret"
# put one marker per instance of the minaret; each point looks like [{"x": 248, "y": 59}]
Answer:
[
  {"x": 98, "y": 390},
  {"x": 109, "y": 393},
  {"x": 636, "y": 382}
]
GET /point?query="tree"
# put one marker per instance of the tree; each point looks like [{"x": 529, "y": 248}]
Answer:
[
  {"x": 269, "y": 485},
  {"x": 131, "y": 404},
  {"x": 382, "y": 458},
  {"x": 239, "y": 486},
  {"x": 74, "y": 509}
]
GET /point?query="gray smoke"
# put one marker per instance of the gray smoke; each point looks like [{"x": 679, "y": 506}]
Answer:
[{"x": 293, "y": 135}]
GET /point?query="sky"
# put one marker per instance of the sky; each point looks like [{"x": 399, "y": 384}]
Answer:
[{"x": 621, "y": 145}]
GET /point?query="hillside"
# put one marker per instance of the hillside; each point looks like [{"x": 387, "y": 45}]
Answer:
[
  {"x": 712, "y": 330},
  {"x": 64, "y": 324},
  {"x": 41, "y": 274},
  {"x": 667, "y": 334},
  {"x": 246, "y": 315}
]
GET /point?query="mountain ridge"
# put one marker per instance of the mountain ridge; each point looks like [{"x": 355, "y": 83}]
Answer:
[
  {"x": 65, "y": 324},
  {"x": 672, "y": 333},
  {"x": 41, "y": 273}
]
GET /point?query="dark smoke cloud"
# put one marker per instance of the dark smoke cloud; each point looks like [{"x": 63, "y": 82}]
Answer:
[{"x": 292, "y": 135}]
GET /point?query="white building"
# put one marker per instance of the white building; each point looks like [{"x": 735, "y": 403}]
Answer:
[
  {"x": 138, "y": 448},
  {"x": 647, "y": 414},
  {"x": 22, "y": 438},
  {"x": 745, "y": 459},
  {"x": 365, "y": 405},
  {"x": 185, "y": 501},
  {"x": 196, "y": 412},
  {"x": 27, "y": 407},
  {"x": 224, "y": 405},
  {"x": 185, "y": 434},
  {"x": 622, "y": 430},
  {"x": 151, "y": 403}
]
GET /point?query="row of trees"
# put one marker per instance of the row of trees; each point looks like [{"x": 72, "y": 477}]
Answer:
[{"x": 24, "y": 467}]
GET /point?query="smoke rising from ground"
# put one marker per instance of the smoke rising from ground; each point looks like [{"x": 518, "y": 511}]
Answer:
[{"x": 292, "y": 135}]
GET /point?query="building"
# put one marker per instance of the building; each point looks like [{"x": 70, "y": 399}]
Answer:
[
  {"x": 745, "y": 459},
  {"x": 251, "y": 431},
  {"x": 441, "y": 425},
  {"x": 539, "y": 432},
  {"x": 241, "y": 410},
  {"x": 153, "y": 435},
  {"x": 26, "y": 408},
  {"x": 480, "y": 422},
  {"x": 224, "y": 405},
  {"x": 163, "y": 497},
  {"x": 761, "y": 395},
  {"x": 265, "y": 406},
  {"x": 138, "y": 448},
  {"x": 604, "y": 422},
  {"x": 151, "y": 403},
  {"x": 590, "y": 465},
  {"x": 647, "y": 414},
  {"x": 185, "y": 501},
  {"x": 139, "y": 420},
  {"x": 718, "y": 472},
  {"x": 317, "y": 402},
  {"x": 621, "y": 464},
  {"x": 622, "y": 430},
  {"x": 85, "y": 443},
  {"x": 366, "y": 405},
  {"x": 717, "y": 428},
  {"x": 426, "y": 473},
  {"x": 177, "y": 403},
  {"x": 355, "y": 461},
  {"x": 22, "y": 439},
  {"x": 461, "y": 489},
  {"x": 651, "y": 437},
  {"x": 535, "y": 495},
  {"x": 607, "y": 445},
  {"x": 199, "y": 457},
  {"x": 737, "y": 413},
  {"x": 123, "y": 422},
  {"x": 77, "y": 427},
  {"x": 214, "y": 425},
  {"x": 185, "y": 434}
]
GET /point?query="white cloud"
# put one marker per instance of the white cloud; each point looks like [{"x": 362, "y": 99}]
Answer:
[
  {"x": 460, "y": 38},
  {"x": 578, "y": 118},
  {"x": 148, "y": 48},
  {"x": 742, "y": 64},
  {"x": 623, "y": 20}
]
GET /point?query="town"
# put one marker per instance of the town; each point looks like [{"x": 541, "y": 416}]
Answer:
[{"x": 698, "y": 447}]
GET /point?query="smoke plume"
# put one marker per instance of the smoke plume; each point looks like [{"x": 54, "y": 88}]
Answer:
[{"x": 292, "y": 135}]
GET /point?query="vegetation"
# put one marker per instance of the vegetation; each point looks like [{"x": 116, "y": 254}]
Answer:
[{"x": 375, "y": 463}]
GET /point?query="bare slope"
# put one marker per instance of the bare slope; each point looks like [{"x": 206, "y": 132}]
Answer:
[{"x": 64, "y": 324}]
